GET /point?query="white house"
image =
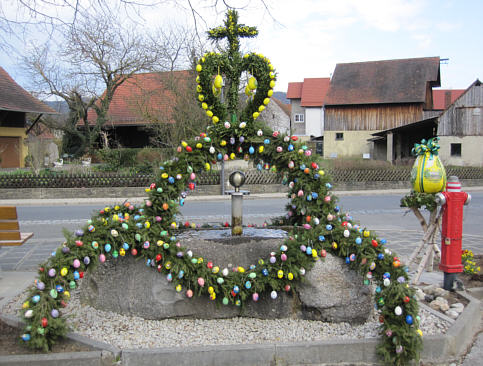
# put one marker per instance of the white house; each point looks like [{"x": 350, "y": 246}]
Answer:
[{"x": 307, "y": 99}]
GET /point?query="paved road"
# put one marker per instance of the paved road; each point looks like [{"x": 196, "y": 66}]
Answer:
[{"x": 376, "y": 212}]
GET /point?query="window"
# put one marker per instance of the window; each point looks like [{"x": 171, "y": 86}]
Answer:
[
  {"x": 299, "y": 118},
  {"x": 339, "y": 136},
  {"x": 456, "y": 150}
]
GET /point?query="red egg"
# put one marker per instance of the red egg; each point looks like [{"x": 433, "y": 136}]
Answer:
[
  {"x": 374, "y": 243},
  {"x": 44, "y": 322},
  {"x": 189, "y": 149},
  {"x": 134, "y": 251}
]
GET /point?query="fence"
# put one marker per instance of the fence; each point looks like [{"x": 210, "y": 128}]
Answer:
[{"x": 253, "y": 176}]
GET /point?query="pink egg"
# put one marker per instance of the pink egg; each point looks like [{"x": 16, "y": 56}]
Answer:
[
  {"x": 283, "y": 257},
  {"x": 255, "y": 297},
  {"x": 102, "y": 258},
  {"x": 201, "y": 281},
  {"x": 76, "y": 263}
]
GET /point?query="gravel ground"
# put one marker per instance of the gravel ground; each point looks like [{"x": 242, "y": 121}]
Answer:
[{"x": 127, "y": 332}]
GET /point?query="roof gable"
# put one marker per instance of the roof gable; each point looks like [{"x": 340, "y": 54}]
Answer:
[
  {"x": 389, "y": 81},
  {"x": 443, "y": 98},
  {"x": 16, "y": 99}
]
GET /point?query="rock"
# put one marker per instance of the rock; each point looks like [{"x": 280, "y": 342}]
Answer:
[
  {"x": 452, "y": 314},
  {"x": 334, "y": 293},
  {"x": 429, "y": 298},
  {"x": 429, "y": 289},
  {"x": 126, "y": 285},
  {"x": 440, "y": 304},
  {"x": 439, "y": 292},
  {"x": 458, "y": 307},
  {"x": 420, "y": 295}
]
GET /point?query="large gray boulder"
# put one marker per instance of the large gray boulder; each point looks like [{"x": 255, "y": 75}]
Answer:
[{"x": 126, "y": 285}]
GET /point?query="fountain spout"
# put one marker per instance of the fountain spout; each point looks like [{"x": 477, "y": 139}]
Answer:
[{"x": 237, "y": 179}]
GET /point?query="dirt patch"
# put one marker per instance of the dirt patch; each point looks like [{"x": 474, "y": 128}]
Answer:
[{"x": 11, "y": 343}]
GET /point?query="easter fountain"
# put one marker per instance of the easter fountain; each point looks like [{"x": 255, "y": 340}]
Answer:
[{"x": 137, "y": 258}]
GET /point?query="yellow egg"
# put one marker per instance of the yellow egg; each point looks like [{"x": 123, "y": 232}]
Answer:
[
  {"x": 366, "y": 233},
  {"x": 164, "y": 175},
  {"x": 261, "y": 148},
  {"x": 200, "y": 260},
  {"x": 272, "y": 83},
  {"x": 67, "y": 294},
  {"x": 241, "y": 269},
  {"x": 204, "y": 105},
  {"x": 184, "y": 143},
  {"x": 218, "y": 83},
  {"x": 178, "y": 288},
  {"x": 215, "y": 119},
  {"x": 272, "y": 75},
  {"x": 209, "y": 113},
  {"x": 213, "y": 296},
  {"x": 215, "y": 269},
  {"x": 63, "y": 271},
  {"x": 199, "y": 89},
  {"x": 211, "y": 290},
  {"x": 252, "y": 83},
  {"x": 107, "y": 209},
  {"x": 122, "y": 252},
  {"x": 232, "y": 156},
  {"x": 116, "y": 207},
  {"x": 198, "y": 67},
  {"x": 25, "y": 305},
  {"x": 199, "y": 145},
  {"x": 115, "y": 218},
  {"x": 266, "y": 101},
  {"x": 159, "y": 243},
  {"x": 255, "y": 115},
  {"x": 201, "y": 97},
  {"x": 290, "y": 276},
  {"x": 147, "y": 224},
  {"x": 222, "y": 143},
  {"x": 248, "y": 92},
  {"x": 261, "y": 108},
  {"x": 147, "y": 190},
  {"x": 198, "y": 79},
  {"x": 270, "y": 93},
  {"x": 334, "y": 245},
  {"x": 321, "y": 172},
  {"x": 420, "y": 332},
  {"x": 280, "y": 273},
  {"x": 207, "y": 166}
]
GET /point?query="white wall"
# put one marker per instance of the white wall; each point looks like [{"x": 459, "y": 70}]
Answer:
[{"x": 314, "y": 121}]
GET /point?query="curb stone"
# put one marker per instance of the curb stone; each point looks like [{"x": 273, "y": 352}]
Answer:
[{"x": 437, "y": 348}]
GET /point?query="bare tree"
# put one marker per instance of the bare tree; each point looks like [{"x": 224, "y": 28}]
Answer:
[{"x": 98, "y": 56}]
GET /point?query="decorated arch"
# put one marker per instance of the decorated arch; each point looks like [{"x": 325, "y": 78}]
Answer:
[{"x": 150, "y": 230}]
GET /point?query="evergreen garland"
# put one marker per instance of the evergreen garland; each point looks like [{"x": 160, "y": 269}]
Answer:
[{"x": 149, "y": 231}]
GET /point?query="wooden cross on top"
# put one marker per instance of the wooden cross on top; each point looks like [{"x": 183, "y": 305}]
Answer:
[{"x": 232, "y": 31}]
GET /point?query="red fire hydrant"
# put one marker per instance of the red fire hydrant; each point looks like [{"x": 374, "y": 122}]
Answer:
[{"x": 452, "y": 202}]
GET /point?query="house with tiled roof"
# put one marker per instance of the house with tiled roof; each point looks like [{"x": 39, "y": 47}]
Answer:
[
  {"x": 443, "y": 98},
  {"x": 307, "y": 99},
  {"x": 148, "y": 98},
  {"x": 368, "y": 97},
  {"x": 460, "y": 128},
  {"x": 15, "y": 103}
]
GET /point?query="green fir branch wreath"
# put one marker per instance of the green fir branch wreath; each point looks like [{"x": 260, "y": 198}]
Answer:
[{"x": 149, "y": 231}]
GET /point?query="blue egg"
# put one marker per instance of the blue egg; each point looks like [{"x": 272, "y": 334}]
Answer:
[
  {"x": 378, "y": 289},
  {"x": 265, "y": 272},
  {"x": 380, "y": 256},
  {"x": 347, "y": 260},
  {"x": 358, "y": 241},
  {"x": 53, "y": 254},
  {"x": 409, "y": 319},
  {"x": 171, "y": 180},
  {"x": 26, "y": 337},
  {"x": 259, "y": 166},
  {"x": 139, "y": 225},
  {"x": 125, "y": 246},
  {"x": 386, "y": 275},
  {"x": 137, "y": 217},
  {"x": 219, "y": 156},
  {"x": 36, "y": 299},
  {"x": 252, "y": 266},
  {"x": 76, "y": 275},
  {"x": 251, "y": 150},
  {"x": 148, "y": 262},
  {"x": 181, "y": 274},
  {"x": 309, "y": 198},
  {"x": 302, "y": 167},
  {"x": 337, "y": 209},
  {"x": 315, "y": 195},
  {"x": 321, "y": 238},
  {"x": 266, "y": 141},
  {"x": 181, "y": 202},
  {"x": 236, "y": 289},
  {"x": 59, "y": 288},
  {"x": 290, "y": 147},
  {"x": 169, "y": 277},
  {"x": 328, "y": 185},
  {"x": 248, "y": 284},
  {"x": 328, "y": 227},
  {"x": 309, "y": 250},
  {"x": 161, "y": 167},
  {"x": 383, "y": 241},
  {"x": 107, "y": 247},
  {"x": 316, "y": 176}
]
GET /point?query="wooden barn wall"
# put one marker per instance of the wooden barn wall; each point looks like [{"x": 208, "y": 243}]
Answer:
[
  {"x": 465, "y": 116},
  {"x": 372, "y": 117}
]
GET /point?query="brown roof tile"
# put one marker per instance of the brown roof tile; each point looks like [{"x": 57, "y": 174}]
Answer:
[
  {"x": 389, "y": 81},
  {"x": 15, "y": 98},
  {"x": 143, "y": 92},
  {"x": 294, "y": 90},
  {"x": 443, "y": 98},
  {"x": 314, "y": 91}
]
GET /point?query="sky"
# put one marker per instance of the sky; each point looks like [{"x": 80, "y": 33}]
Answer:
[{"x": 307, "y": 38}]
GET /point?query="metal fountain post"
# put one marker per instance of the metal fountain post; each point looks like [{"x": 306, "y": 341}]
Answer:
[{"x": 237, "y": 179}]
